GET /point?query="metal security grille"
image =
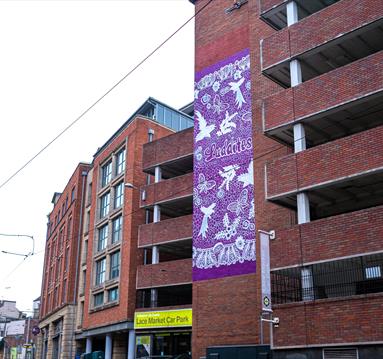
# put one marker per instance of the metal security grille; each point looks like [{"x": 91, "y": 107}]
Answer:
[
  {"x": 342, "y": 278},
  {"x": 340, "y": 353}
]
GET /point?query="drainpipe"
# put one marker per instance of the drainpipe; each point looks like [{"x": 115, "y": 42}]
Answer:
[{"x": 83, "y": 175}]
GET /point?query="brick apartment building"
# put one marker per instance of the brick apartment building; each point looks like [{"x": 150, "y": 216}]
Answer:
[
  {"x": 110, "y": 254},
  {"x": 315, "y": 105},
  {"x": 59, "y": 284}
]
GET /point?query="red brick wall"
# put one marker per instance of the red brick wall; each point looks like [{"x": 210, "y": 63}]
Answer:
[
  {"x": 226, "y": 311},
  {"x": 137, "y": 134},
  {"x": 165, "y": 273},
  {"x": 165, "y": 231},
  {"x": 330, "y": 161},
  {"x": 333, "y": 21},
  {"x": 329, "y": 90},
  {"x": 349, "y": 320},
  {"x": 168, "y": 148},
  {"x": 51, "y": 262},
  {"x": 165, "y": 190},
  {"x": 338, "y": 236}
]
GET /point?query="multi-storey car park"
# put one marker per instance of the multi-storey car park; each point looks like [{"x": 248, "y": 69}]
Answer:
[{"x": 316, "y": 95}]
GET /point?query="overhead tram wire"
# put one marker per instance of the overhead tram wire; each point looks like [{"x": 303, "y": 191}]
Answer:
[
  {"x": 136, "y": 210},
  {"x": 102, "y": 97}
]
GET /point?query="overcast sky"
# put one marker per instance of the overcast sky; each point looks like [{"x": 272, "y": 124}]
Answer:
[{"x": 57, "y": 58}]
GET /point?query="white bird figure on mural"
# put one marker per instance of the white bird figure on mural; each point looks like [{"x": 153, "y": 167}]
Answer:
[
  {"x": 235, "y": 87},
  {"x": 204, "y": 128},
  {"x": 227, "y": 124},
  {"x": 207, "y": 212},
  {"x": 228, "y": 175},
  {"x": 247, "y": 178}
]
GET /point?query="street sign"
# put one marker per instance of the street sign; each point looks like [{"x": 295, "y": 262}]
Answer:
[
  {"x": 35, "y": 330},
  {"x": 265, "y": 272}
]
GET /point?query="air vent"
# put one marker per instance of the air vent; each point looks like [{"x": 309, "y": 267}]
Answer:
[{"x": 340, "y": 353}]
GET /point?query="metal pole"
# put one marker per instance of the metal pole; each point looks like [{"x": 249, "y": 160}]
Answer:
[
  {"x": 29, "y": 322},
  {"x": 78, "y": 259},
  {"x": 261, "y": 331}
]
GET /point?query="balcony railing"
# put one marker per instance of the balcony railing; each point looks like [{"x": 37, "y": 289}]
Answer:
[{"x": 342, "y": 278}]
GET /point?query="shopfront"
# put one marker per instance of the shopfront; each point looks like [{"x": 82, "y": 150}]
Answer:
[{"x": 165, "y": 334}]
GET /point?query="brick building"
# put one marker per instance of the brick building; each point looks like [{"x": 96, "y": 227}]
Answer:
[
  {"x": 288, "y": 137},
  {"x": 110, "y": 255},
  {"x": 317, "y": 140},
  {"x": 164, "y": 278},
  {"x": 59, "y": 284}
]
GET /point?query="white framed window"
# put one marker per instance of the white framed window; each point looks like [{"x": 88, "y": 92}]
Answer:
[
  {"x": 120, "y": 162},
  {"x": 118, "y": 195},
  {"x": 106, "y": 173},
  {"x": 102, "y": 238},
  {"x": 100, "y": 271},
  {"x": 104, "y": 204}
]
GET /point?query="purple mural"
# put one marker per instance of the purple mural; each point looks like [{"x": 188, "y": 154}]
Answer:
[{"x": 223, "y": 217}]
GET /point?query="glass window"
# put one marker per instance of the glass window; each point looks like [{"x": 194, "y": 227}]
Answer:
[
  {"x": 117, "y": 229},
  {"x": 73, "y": 194},
  {"x": 104, "y": 206},
  {"x": 120, "y": 162},
  {"x": 118, "y": 195},
  {"x": 100, "y": 271},
  {"x": 84, "y": 281},
  {"x": 98, "y": 299},
  {"x": 112, "y": 294},
  {"x": 175, "y": 121},
  {"x": 102, "y": 238},
  {"x": 63, "y": 294},
  {"x": 115, "y": 265},
  {"x": 69, "y": 229},
  {"x": 160, "y": 114},
  {"x": 66, "y": 258},
  {"x": 168, "y": 117},
  {"x": 106, "y": 173}
]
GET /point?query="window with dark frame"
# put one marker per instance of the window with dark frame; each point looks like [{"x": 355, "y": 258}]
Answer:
[
  {"x": 102, "y": 238},
  {"x": 114, "y": 265},
  {"x": 100, "y": 271},
  {"x": 117, "y": 229},
  {"x": 104, "y": 204},
  {"x": 113, "y": 294},
  {"x": 98, "y": 299},
  {"x": 118, "y": 195}
]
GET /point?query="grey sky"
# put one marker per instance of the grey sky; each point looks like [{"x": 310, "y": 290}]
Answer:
[{"x": 57, "y": 58}]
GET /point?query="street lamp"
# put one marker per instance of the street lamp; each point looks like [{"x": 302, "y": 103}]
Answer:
[{"x": 20, "y": 235}]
